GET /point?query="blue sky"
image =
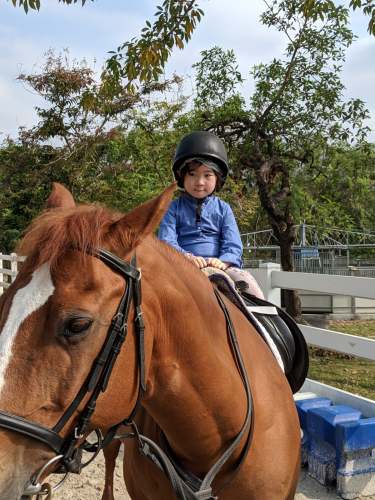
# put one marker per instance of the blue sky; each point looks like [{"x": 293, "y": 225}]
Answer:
[{"x": 90, "y": 32}]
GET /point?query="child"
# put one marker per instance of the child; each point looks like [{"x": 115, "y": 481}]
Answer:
[{"x": 199, "y": 224}]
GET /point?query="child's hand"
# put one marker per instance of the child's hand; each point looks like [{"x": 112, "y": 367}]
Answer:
[
  {"x": 198, "y": 261},
  {"x": 213, "y": 262}
]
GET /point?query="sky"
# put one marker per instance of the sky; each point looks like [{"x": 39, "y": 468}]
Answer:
[{"x": 91, "y": 31}]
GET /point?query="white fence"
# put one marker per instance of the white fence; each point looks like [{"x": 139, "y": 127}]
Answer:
[
  {"x": 8, "y": 269},
  {"x": 272, "y": 280}
]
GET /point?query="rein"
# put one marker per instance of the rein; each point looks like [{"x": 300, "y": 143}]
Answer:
[{"x": 69, "y": 449}]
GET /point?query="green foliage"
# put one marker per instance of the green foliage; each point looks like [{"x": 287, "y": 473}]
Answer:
[
  {"x": 23, "y": 190},
  {"x": 113, "y": 148},
  {"x": 144, "y": 58},
  {"x": 80, "y": 107},
  {"x": 35, "y": 4},
  {"x": 296, "y": 109},
  {"x": 299, "y": 99},
  {"x": 217, "y": 77},
  {"x": 320, "y": 8},
  {"x": 339, "y": 192}
]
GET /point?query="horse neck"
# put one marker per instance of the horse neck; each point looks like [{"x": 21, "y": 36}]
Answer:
[{"x": 194, "y": 387}]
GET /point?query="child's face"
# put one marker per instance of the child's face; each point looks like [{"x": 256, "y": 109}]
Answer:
[{"x": 200, "y": 181}]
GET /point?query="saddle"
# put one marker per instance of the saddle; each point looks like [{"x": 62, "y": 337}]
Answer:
[{"x": 279, "y": 330}]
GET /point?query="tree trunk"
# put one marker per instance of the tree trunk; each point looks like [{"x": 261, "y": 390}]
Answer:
[
  {"x": 290, "y": 298},
  {"x": 272, "y": 178}
]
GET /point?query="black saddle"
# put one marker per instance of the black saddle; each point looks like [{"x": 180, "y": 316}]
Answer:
[{"x": 281, "y": 327}]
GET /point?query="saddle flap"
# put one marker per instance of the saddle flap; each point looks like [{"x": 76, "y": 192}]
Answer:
[{"x": 280, "y": 327}]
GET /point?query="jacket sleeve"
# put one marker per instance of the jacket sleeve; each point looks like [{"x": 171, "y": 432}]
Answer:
[
  {"x": 230, "y": 240},
  {"x": 168, "y": 228}
]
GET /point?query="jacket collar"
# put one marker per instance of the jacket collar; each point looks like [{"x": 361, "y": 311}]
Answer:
[{"x": 196, "y": 201}]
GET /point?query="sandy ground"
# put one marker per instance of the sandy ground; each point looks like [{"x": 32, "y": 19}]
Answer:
[{"x": 88, "y": 486}]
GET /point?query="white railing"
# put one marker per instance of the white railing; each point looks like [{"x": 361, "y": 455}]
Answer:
[
  {"x": 8, "y": 269},
  {"x": 272, "y": 280}
]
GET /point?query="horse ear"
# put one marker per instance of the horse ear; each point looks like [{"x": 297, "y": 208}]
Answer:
[
  {"x": 60, "y": 197},
  {"x": 142, "y": 220}
]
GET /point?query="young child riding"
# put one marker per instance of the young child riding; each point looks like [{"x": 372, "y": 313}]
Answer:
[{"x": 198, "y": 223}]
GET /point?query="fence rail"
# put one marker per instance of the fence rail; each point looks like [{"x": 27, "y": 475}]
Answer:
[
  {"x": 340, "y": 342},
  {"x": 272, "y": 280},
  {"x": 326, "y": 283}
]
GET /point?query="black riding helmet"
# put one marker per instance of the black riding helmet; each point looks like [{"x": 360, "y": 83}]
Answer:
[{"x": 200, "y": 144}]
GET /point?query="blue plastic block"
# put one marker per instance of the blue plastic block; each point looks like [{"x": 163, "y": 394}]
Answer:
[
  {"x": 305, "y": 405},
  {"x": 356, "y": 469},
  {"x": 321, "y": 422},
  {"x": 357, "y": 435}
]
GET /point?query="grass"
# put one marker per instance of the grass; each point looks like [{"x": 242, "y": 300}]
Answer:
[{"x": 356, "y": 375}]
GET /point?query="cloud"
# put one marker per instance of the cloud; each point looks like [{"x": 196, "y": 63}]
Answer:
[
  {"x": 90, "y": 32},
  {"x": 245, "y": 35},
  {"x": 359, "y": 75}
]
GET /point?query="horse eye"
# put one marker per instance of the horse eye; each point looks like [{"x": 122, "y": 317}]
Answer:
[{"x": 75, "y": 326}]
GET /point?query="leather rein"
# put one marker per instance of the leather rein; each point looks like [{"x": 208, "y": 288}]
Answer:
[{"x": 68, "y": 449}]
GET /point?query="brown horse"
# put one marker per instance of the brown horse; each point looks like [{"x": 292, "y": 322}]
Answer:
[{"x": 55, "y": 318}]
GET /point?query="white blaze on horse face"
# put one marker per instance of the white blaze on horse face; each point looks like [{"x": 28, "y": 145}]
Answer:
[{"x": 25, "y": 301}]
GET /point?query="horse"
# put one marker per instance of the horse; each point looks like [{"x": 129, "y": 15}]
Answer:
[{"x": 177, "y": 379}]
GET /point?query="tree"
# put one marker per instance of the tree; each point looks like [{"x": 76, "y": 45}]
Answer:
[
  {"x": 82, "y": 139},
  {"x": 113, "y": 149},
  {"x": 80, "y": 107},
  {"x": 339, "y": 192},
  {"x": 296, "y": 109}
]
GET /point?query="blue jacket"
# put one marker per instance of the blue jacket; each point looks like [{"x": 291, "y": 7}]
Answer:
[{"x": 211, "y": 233}]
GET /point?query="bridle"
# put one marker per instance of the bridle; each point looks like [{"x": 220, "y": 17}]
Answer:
[{"x": 69, "y": 448}]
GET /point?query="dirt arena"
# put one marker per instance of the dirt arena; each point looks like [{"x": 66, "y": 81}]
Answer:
[{"x": 88, "y": 486}]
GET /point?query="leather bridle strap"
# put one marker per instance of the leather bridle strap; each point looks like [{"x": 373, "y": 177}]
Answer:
[
  {"x": 102, "y": 366},
  {"x": 31, "y": 429},
  {"x": 102, "y": 369}
]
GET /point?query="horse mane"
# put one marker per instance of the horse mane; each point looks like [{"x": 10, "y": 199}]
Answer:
[{"x": 58, "y": 230}]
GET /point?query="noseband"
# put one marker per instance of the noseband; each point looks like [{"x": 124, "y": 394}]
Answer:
[{"x": 69, "y": 448}]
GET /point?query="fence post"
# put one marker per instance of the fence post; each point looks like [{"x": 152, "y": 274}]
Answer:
[
  {"x": 263, "y": 277},
  {"x": 353, "y": 271},
  {"x": 13, "y": 265},
  {"x": 1, "y": 277}
]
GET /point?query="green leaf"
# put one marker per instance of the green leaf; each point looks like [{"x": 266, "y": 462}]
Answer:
[{"x": 179, "y": 42}]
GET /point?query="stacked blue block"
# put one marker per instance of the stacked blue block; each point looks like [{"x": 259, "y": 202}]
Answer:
[
  {"x": 355, "y": 443},
  {"x": 323, "y": 458},
  {"x": 303, "y": 407},
  {"x": 338, "y": 445}
]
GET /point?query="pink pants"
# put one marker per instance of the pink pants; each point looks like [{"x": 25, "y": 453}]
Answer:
[{"x": 238, "y": 274}]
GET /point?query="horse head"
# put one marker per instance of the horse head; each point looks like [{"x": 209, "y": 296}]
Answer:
[{"x": 54, "y": 321}]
